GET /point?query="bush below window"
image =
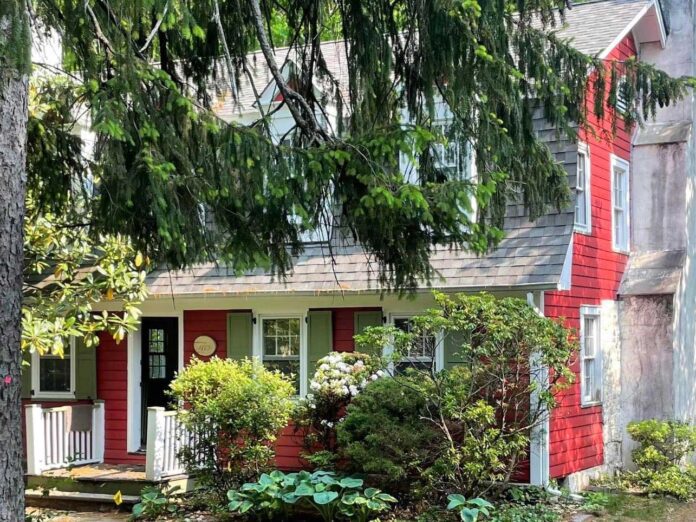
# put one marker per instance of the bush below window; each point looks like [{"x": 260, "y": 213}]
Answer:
[{"x": 236, "y": 409}]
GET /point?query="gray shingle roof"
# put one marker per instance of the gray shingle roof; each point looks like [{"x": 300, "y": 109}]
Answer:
[
  {"x": 652, "y": 273},
  {"x": 593, "y": 26},
  {"x": 531, "y": 255}
]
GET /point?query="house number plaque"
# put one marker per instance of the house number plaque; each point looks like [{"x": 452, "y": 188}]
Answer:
[{"x": 204, "y": 345}]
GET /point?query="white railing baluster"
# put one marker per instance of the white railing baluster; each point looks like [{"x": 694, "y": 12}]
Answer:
[
  {"x": 50, "y": 445},
  {"x": 166, "y": 437}
]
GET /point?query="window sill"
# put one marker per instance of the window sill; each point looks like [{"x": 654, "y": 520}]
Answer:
[
  {"x": 585, "y": 231},
  {"x": 623, "y": 251},
  {"x": 590, "y": 404},
  {"x": 45, "y": 396}
]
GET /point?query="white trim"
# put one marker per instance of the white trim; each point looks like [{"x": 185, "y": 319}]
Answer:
[
  {"x": 625, "y": 165},
  {"x": 134, "y": 391},
  {"x": 629, "y": 28},
  {"x": 539, "y": 442},
  {"x": 565, "y": 282},
  {"x": 36, "y": 392},
  {"x": 439, "y": 341},
  {"x": 257, "y": 342},
  {"x": 594, "y": 312},
  {"x": 584, "y": 228}
]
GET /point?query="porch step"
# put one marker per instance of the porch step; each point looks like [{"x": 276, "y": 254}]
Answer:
[
  {"x": 103, "y": 479},
  {"x": 76, "y": 500}
]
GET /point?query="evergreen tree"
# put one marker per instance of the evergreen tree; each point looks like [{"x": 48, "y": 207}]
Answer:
[{"x": 145, "y": 71}]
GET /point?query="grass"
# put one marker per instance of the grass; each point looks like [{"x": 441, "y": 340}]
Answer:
[{"x": 622, "y": 507}]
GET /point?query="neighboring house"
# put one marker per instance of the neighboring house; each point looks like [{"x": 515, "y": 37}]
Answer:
[{"x": 568, "y": 264}]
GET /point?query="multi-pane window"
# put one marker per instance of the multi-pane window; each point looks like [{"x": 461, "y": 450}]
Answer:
[
  {"x": 619, "y": 202},
  {"x": 157, "y": 359},
  {"x": 281, "y": 341},
  {"x": 583, "y": 213},
  {"x": 420, "y": 354},
  {"x": 590, "y": 354},
  {"x": 53, "y": 374}
]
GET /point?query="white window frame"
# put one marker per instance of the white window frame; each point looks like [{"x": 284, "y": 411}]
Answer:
[
  {"x": 621, "y": 244},
  {"x": 258, "y": 342},
  {"x": 37, "y": 393},
  {"x": 584, "y": 151},
  {"x": 594, "y": 313},
  {"x": 439, "y": 342}
]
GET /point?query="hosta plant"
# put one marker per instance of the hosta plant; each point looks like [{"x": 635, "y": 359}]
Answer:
[
  {"x": 468, "y": 509},
  {"x": 331, "y": 496}
]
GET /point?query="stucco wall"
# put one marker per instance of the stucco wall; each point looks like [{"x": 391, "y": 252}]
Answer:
[
  {"x": 646, "y": 328},
  {"x": 682, "y": 61}
]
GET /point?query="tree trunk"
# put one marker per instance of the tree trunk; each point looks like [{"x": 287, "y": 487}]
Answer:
[{"x": 13, "y": 137}]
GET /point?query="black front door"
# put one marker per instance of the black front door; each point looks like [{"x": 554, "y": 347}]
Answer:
[{"x": 159, "y": 362}]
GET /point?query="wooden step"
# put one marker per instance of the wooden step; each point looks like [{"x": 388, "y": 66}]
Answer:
[{"x": 77, "y": 500}]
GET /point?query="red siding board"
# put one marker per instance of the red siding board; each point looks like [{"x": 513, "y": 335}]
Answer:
[
  {"x": 575, "y": 432},
  {"x": 112, "y": 383}
]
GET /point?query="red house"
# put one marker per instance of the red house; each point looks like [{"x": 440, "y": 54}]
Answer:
[{"x": 567, "y": 264}]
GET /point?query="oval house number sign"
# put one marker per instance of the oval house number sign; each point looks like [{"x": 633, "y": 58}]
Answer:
[{"x": 204, "y": 345}]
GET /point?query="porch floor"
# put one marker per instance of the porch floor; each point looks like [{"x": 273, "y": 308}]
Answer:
[{"x": 100, "y": 473}]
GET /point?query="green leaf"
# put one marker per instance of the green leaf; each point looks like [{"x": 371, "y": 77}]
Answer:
[
  {"x": 325, "y": 497},
  {"x": 469, "y": 514},
  {"x": 350, "y": 482},
  {"x": 304, "y": 490},
  {"x": 455, "y": 501}
]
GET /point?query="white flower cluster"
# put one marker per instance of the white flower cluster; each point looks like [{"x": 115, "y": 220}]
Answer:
[{"x": 342, "y": 375}]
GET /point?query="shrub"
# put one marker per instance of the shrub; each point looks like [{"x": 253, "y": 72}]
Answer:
[
  {"x": 484, "y": 407},
  {"x": 339, "y": 378},
  {"x": 330, "y": 495},
  {"x": 662, "y": 444},
  {"x": 236, "y": 409},
  {"x": 383, "y": 431}
]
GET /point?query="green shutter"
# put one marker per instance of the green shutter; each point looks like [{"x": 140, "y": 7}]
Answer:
[
  {"x": 239, "y": 335},
  {"x": 453, "y": 348},
  {"x": 85, "y": 370},
  {"x": 319, "y": 338},
  {"x": 26, "y": 375},
  {"x": 364, "y": 319}
]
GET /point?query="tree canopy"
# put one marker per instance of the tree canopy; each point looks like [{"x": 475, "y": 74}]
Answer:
[{"x": 145, "y": 72}]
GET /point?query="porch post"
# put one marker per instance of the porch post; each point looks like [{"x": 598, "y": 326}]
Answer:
[
  {"x": 154, "y": 456},
  {"x": 98, "y": 430},
  {"x": 539, "y": 465},
  {"x": 36, "y": 443}
]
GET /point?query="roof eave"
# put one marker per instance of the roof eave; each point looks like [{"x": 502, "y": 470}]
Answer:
[{"x": 660, "y": 28}]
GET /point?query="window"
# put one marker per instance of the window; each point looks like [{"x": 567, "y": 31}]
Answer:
[
  {"x": 583, "y": 209},
  {"x": 619, "y": 203},
  {"x": 281, "y": 341},
  {"x": 53, "y": 375},
  {"x": 590, "y": 356},
  {"x": 157, "y": 359},
  {"x": 623, "y": 103},
  {"x": 422, "y": 352}
]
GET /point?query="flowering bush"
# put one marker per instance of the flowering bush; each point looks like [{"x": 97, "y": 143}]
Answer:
[{"x": 339, "y": 377}]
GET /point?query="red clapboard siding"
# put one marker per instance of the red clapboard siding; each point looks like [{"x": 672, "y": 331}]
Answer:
[
  {"x": 576, "y": 432},
  {"x": 205, "y": 322},
  {"x": 112, "y": 383}
]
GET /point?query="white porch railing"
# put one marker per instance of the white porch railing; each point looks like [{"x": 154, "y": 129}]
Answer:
[
  {"x": 51, "y": 444},
  {"x": 166, "y": 437}
]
